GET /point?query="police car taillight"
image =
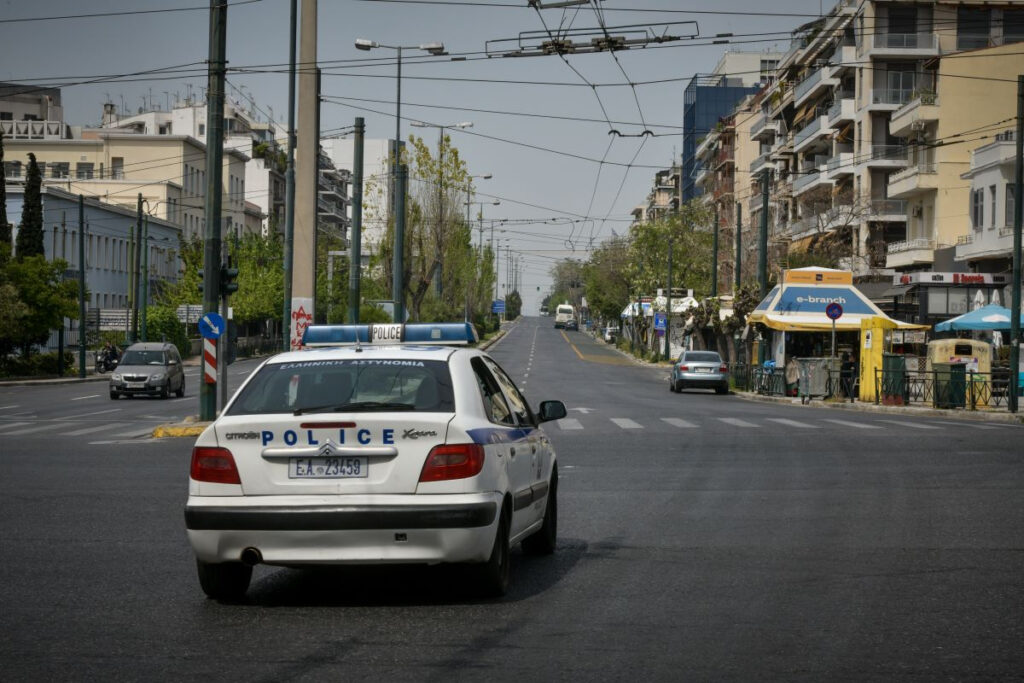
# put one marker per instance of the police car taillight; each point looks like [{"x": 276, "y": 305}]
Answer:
[
  {"x": 453, "y": 461},
  {"x": 214, "y": 465}
]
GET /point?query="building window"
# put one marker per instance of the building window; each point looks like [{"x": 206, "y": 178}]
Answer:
[
  {"x": 12, "y": 169},
  {"x": 60, "y": 169},
  {"x": 992, "y": 206},
  {"x": 83, "y": 170},
  {"x": 977, "y": 208},
  {"x": 1013, "y": 25},
  {"x": 117, "y": 168},
  {"x": 6, "y": 116},
  {"x": 202, "y": 129},
  {"x": 972, "y": 27},
  {"x": 1009, "y": 218}
]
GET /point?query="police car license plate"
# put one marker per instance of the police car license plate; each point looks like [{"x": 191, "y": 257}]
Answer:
[{"x": 327, "y": 468}]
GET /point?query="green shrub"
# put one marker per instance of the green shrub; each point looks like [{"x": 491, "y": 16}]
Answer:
[{"x": 162, "y": 324}]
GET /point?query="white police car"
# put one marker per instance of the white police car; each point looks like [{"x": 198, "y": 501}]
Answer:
[{"x": 376, "y": 444}]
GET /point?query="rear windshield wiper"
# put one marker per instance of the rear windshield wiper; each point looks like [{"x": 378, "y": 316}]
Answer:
[{"x": 356, "y": 406}]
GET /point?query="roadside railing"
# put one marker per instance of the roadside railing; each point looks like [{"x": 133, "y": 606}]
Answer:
[{"x": 940, "y": 388}]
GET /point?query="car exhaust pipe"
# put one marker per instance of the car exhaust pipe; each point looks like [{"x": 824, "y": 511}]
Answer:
[{"x": 252, "y": 557}]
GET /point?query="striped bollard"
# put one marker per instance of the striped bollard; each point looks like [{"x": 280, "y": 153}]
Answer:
[{"x": 210, "y": 358}]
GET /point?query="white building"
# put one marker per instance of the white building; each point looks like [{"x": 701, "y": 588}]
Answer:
[{"x": 376, "y": 184}]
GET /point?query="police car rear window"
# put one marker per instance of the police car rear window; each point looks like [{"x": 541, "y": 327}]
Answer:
[{"x": 323, "y": 386}]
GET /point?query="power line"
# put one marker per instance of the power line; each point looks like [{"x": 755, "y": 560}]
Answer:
[{"x": 127, "y": 12}]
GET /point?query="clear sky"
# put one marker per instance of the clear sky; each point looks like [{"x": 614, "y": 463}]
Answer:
[{"x": 540, "y": 125}]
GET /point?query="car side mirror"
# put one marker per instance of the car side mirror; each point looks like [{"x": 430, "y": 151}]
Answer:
[{"x": 551, "y": 410}]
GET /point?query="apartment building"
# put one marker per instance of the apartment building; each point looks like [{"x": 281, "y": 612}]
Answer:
[
  {"x": 262, "y": 181},
  {"x": 708, "y": 97},
  {"x": 987, "y": 247},
  {"x": 29, "y": 112},
  {"x": 376, "y": 184},
  {"x": 663, "y": 199},
  {"x": 839, "y": 180}
]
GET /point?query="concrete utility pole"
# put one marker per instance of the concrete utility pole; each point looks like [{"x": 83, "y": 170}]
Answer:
[
  {"x": 304, "y": 247},
  {"x": 214, "y": 186},
  {"x": 145, "y": 278},
  {"x": 762, "y": 247},
  {"x": 289, "y": 179},
  {"x": 668, "y": 304},
  {"x": 136, "y": 274},
  {"x": 355, "y": 244},
  {"x": 81, "y": 286},
  {"x": 1018, "y": 213},
  {"x": 714, "y": 255},
  {"x": 739, "y": 253},
  {"x": 398, "y": 261}
]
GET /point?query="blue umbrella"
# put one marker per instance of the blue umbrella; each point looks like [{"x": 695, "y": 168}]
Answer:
[{"x": 991, "y": 317}]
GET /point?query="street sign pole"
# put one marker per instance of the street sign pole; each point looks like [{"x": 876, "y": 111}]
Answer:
[
  {"x": 833, "y": 337},
  {"x": 834, "y": 311}
]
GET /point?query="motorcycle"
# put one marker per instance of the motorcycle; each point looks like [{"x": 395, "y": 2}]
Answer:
[{"x": 105, "y": 361}]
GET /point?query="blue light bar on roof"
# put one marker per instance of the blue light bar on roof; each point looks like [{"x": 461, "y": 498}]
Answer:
[{"x": 430, "y": 334}]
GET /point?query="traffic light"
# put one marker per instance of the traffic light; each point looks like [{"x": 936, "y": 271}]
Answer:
[{"x": 228, "y": 276}]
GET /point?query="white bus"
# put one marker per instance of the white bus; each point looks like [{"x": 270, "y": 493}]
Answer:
[{"x": 563, "y": 314}]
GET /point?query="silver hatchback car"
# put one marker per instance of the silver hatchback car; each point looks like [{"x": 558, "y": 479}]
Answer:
[
  {"x": 699, "y": 369},
  {"x": 148, "y": 369}
]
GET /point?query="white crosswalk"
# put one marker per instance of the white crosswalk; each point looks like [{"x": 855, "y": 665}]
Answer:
[
  {"x": 597, "y": 422},
  {"x": 626, "y": 423},
  {"x": 679, "y": 422}
]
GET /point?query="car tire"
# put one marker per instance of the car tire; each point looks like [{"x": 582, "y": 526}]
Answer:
[
  {"x": 680, "y": 386},
  {"x": 722, "y": 390},
  {"x": 491, "y": 577},
  {"x": 114, "y": 395},
  {"x": 544, "y": 540},
  {"x": 227, "y": 581},
  {"x": 165, "y": 391},
  {"x": 181, "y": 389}
]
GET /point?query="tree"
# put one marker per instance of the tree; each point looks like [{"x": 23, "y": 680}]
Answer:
[
  {"x": 605, "y": 279},
  {"x": 260, "y": 292},
  {"x": 186, "y": 289},
  {"x": 47, "y": 298},
  {"x": 30, "y": 232},
  {"x": 162, "y": 323}
]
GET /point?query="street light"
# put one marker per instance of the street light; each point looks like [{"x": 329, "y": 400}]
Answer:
[
  {"x": 480, "y": 213},
  {"x": 397, "y": 285},
  {"x": 440, "y": 192}
]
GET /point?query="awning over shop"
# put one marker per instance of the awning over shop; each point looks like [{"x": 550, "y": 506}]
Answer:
[{"x": 801, "y": 308}]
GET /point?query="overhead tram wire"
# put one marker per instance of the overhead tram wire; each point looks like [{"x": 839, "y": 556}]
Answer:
[{"x": 122, "y": 13}]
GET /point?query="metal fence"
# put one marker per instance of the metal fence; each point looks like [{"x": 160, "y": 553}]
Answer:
[{"x": 942, "y": 389}]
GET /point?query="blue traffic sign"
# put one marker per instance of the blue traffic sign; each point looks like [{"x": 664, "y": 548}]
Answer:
[
  {"x": 498, "y": 306},
  {"x": 834, "y": 311},
  {"x": 211, "y": 325},
  {"x": 660, "y": 321}
]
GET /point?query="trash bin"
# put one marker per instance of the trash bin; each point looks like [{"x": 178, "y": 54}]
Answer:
[
  {"x": 895, "y": 389},
  {"x": 949, "y": 385}
]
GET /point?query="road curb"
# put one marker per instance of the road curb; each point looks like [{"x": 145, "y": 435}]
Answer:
[
  {"x": 179, "y": 429},
  {"x": 52, "y": 380},
  {"x": 968, "y": 416}
]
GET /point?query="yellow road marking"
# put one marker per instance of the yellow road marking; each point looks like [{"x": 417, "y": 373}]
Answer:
[{"x": 572, "y": 345}]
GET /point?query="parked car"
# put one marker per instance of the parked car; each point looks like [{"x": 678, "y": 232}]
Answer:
[
  {"x": 148, "y": 369},
  {"x": 572, "y": 324},
  {"x": 699, "y": 369},
  {"x": 611, "y": 334}
]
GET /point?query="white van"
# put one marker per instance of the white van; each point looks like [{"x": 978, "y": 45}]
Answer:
[{"x": 563, "y": 314}]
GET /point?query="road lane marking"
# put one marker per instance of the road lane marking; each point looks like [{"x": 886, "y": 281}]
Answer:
[
  {"x": 678, "y": 422},
  {"x": 968, "y": 424},
  {"x": 857, "y": 425},
  {"x": 736, "y": 422},
  {"x": 791, "y": 423},
  {"x": 626, "y": 423},
  {"x": 96, "y": 428},
  {"x": 134, "y": 434},
  {"x": 82, "y": 398},
  {"x": 566, "y": 338},
  {"x": 569, "y": 423},
  {"x": 11, "y": 425},
  {"x": 9, "y": 407},
  {"x": 29, "y": 430},
  {"x": 907, "y": 423},
  {"x": 98, "y": 412}
]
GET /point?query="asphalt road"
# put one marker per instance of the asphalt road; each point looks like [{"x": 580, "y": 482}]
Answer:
[{"x": 701, "y": 537}]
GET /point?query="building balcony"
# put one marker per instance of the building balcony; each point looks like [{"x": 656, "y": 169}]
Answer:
[
  {"x": 810, "y": 179},
  {"x": 985, "y": 244},
  {"x": 889, "y": 99},
  {"x": 879, "y": 45},
  {"x": 818, "y": 128},
  {"x": 783, "y": 148},
  {"x": 919, "y": 111},
  {"x": 887, "y": 156},
  {"x": 845, "y": 59},
  {"x": 725, "y": 156},
  {"x": 781, "y": 96},
  {"x": 760, "y": 163},
  {"x": 908, "y": 253},
  {"x": 889, "y": 210},
  {"x": 843, "y": 109},
  {"x": 913, "y": 180},
  {"x": 34, "y": 130},
  {"x": 764, "y": 128},
  {"x": 840, "y": 165},
  {"x": 818, "y": 80}
]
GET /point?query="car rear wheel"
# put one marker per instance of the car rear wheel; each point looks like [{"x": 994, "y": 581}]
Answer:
[
  {"x": 224, "y": 581},
  {"x": 491, "y": 577},
  {"x": 544, "y": 540},
  {"x": 114, "y": 395},
  {"x": 722, "y": 390}
]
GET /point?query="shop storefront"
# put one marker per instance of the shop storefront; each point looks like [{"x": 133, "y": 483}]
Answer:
[{"x": 928, "y": 298}]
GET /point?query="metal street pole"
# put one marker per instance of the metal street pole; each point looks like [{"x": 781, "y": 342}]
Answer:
[
  {"x": 1018, "y": 212},
  {"x": 355, "y": 244},
  {"x": 398, "y": 267},
  {"x": 145, "y": 277},
  {"x": 289, "y": 179},
  {"x": 136, "y": 274},
  {"x": 214, "y": 187},
  {"x": 762, "y": 250},
  {"x": 81, "y": 286},
  {"x": 128, "y": 310},
  {"x": 668, "y": 304},
  {"x": 739, "y": 253},
  {"x": 714, "y": 255}
]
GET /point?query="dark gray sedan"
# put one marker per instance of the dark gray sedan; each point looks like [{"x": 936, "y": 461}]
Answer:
[{"x": 699, "y": 370}]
